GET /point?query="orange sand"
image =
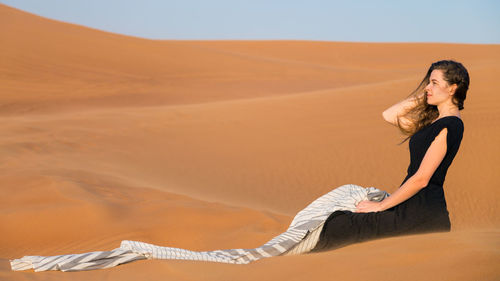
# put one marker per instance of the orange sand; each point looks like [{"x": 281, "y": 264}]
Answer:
[{"x": 211, "y": 145}]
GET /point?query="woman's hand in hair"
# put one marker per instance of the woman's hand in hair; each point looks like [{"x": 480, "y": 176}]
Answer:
[{"x": 368, "y": 206}]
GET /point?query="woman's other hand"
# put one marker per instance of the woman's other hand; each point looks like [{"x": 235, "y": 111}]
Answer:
[{"x": 368, "y": 206}]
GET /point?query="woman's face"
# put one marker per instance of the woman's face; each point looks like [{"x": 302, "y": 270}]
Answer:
[{"x": 438, "y": 90}]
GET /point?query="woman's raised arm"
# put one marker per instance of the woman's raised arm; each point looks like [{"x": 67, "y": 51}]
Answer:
[{"x": 390, "y": 115}]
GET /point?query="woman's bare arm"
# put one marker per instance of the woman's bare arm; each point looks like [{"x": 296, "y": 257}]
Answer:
[
  {"x": 390, "y": 115},
  {"x": 413, "y": 185}
]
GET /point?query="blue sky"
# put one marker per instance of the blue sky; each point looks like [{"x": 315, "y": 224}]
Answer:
[{"x": 356, "y": 21}]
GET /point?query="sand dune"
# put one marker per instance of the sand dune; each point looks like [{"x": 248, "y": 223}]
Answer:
[{"x": 217, "y": 144}]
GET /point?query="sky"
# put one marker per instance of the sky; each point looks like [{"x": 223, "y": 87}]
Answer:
[{"x": 459, "y": 21}]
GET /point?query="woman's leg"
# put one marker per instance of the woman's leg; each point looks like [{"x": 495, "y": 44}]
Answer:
[{"x": 338, "y": 231}]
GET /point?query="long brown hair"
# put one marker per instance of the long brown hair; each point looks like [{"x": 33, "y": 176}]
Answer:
[{"x": 422, "y": 114}]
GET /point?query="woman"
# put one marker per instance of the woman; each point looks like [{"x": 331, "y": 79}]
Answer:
[{"x": 430, "y": 116}]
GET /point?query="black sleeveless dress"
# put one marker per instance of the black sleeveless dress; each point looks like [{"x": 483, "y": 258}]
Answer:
[{"x": 422, "y": 213}]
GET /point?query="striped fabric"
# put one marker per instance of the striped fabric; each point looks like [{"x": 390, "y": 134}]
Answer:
[
  {"x": 300, "y": 237},
  {"x": 307, "y": 243}
]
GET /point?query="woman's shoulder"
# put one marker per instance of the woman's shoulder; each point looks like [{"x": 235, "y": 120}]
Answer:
[
  {"x": 449, "y": 119},
  {"x": 453, "y": 124}
]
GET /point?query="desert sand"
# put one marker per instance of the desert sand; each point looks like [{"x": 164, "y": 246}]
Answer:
[{"x": 209, "y": 145}]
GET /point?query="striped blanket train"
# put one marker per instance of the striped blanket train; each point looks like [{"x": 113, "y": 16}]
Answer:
[{"x": 300, "y": 237}]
